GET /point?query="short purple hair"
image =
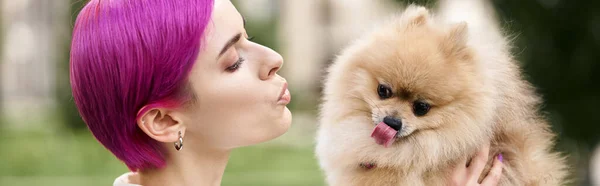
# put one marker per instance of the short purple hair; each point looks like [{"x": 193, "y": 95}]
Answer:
[{"x": 129, "y": 56}]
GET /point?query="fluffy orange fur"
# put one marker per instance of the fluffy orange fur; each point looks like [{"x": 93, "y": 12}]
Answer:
[{"x": 476, "y": 92}]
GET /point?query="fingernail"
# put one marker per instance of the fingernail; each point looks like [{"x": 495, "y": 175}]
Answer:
[{"x": 500, "y": 157}]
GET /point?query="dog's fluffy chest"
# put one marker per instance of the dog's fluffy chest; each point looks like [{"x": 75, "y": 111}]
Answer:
[{"x": 392, "y": 177}]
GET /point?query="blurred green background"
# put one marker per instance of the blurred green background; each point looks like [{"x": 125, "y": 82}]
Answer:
[{"x": 44, "y": 142}]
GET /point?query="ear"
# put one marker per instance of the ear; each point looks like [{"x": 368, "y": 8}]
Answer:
[
  {"x": 416, "y": 15},
  {"x": 162, "y": 125},
  {"x": 456, "y": 39}
]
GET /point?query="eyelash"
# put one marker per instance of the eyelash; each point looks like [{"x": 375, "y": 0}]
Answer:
[
  {"x": 236, "y": 65},
  {"x": 239, "y": 62}
]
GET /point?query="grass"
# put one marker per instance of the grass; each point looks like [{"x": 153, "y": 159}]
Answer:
[
  {"x": 272, "y": 165},
  {"x": 55, "y": 156},
  {"x": 50, "y": 158}
]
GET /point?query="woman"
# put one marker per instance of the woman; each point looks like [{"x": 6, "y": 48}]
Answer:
[{"x": 149, "y": 76}]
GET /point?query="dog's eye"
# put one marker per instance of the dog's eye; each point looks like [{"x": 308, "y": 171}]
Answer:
[
  {"x": 420, "y": 108},
  {"x": 384, "y": 91}
]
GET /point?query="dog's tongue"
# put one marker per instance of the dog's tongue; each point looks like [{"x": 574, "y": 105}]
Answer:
[{"x": 384, "y": 134}]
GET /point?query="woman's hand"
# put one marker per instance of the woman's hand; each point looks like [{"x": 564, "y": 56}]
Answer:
[{"x": 463, "y": 175}]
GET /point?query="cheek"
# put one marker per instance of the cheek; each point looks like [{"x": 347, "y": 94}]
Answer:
[
  {"x": 447, "y": 117},
  {"x": 236, "y": 112},
  {"x": 429, "y": 120}
]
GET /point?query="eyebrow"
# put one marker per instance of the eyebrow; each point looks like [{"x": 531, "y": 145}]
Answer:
[{"x": 230, "y": 43}]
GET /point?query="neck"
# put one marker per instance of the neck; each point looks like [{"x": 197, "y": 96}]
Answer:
[{"x": 189, "y": 167}]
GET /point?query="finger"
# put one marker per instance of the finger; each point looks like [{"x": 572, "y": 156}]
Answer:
[
  {"x": 495, "y": 173},
  {"x": 461, "y": 164},
  {"x": 478, "y": 162},
  {"x": 459, "y": 172}
]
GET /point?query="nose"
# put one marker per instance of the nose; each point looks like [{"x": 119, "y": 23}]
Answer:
[
  {"x": 272, "y": 62},
  {"x": 393, "y": 122}
]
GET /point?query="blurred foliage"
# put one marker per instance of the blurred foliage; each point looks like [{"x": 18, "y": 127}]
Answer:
[
  {"x": 558, "y": 43},
  {"x": 2, "y": 35},
  {"x": 75, "y": 158},
  {"x": 66, "y": 107},
  {"x": 263, "y": 31}
]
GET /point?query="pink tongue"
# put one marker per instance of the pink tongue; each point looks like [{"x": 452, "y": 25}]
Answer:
[{"x": 384, "y": 134}]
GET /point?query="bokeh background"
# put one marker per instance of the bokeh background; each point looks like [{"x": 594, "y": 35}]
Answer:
[{"x": 43, "y": 141}]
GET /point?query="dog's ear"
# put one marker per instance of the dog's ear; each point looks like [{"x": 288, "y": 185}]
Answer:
[
  {"x": 458, "y": 33},
  {"x": 455, "y": 41},
  {"x": 415, "y": 15}
]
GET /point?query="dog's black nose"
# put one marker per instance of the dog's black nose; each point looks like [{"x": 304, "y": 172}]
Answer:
[{"x": 393, "y": 122}]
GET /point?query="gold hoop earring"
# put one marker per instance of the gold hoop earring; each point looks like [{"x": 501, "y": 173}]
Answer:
[{"x": 179, "y": 144}]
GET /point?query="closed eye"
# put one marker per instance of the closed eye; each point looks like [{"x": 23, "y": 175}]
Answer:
[{"x": 237, "y": 65}]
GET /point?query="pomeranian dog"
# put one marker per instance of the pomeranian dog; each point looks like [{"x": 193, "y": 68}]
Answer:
[{"x": 403, "y": 104}]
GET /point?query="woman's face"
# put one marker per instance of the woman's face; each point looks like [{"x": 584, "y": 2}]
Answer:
[{"x": 241, "y": 100}]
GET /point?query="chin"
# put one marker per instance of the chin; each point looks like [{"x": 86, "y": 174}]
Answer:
[
  {"x": 417, "y": 95},
  {"x": 284, "y": 123},
  {"x": 272, "y": 128}
]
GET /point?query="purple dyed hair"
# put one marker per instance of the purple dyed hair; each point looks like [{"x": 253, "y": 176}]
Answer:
[{"x": 129, "y": 56}]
